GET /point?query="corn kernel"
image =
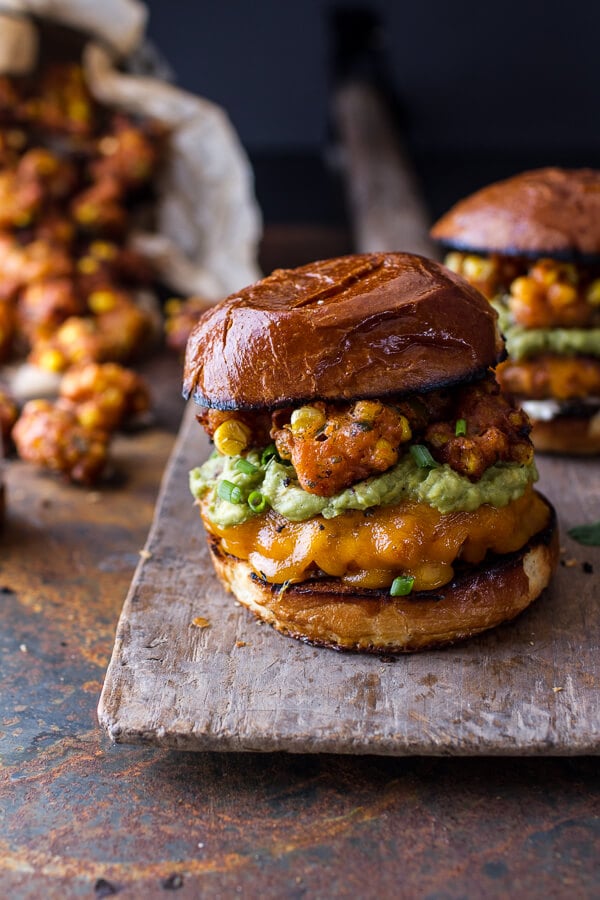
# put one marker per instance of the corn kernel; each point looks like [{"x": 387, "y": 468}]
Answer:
[
  {"x": 86, "y": 213},
  {"x": 454, "y": 262},
  {"x": 431, "y": 575},
  {"x": 406, "y": 429},
  {"x": 52, "y": 360},
  {"x": 384, "y": 453},
  {"x": 101, "y": 301},
  {"x": 592, "y": 295},
  {"x": 87, "y": 265},
  {"x": 477, "y": 268},
  {"x": 89, "y": 416},
  {"x": 231, "y": 437},
  {"x": 173, "y": 306},
  {"x": 103, "y": 250},
  {"x": 47, "y": 164},
  {"x": 561, "y": 295},
  {"x": 525, "y": 289},
  {"x": 22, "y": 219},
  {"x": 367, "y": 410},
  {"x": 307, "y": 419},
  {"x": 545, "y": 271},
  {"x": 78, "y": 111}
]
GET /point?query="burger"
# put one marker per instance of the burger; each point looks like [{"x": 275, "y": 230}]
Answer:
[
  {"x": 532, "y": 245},
  {"x": 370, "y": 487}
]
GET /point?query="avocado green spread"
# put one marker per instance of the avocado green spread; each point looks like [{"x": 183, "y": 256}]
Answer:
[
  {"x": 522, "y": 343},
  {"x": 277, "y": 482}
]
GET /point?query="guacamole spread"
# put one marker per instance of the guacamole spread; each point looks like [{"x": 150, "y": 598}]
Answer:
[
  {"x": 277, "y": 483},
  {"x": 522, "y": 343}
]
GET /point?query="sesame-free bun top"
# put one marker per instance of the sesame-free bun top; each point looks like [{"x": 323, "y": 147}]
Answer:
[
  {"x": 356, "y": 326},
  {"x": 545, "y": 212}
]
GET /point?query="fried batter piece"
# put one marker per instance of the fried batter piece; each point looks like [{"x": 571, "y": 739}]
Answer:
[
  {"x": 128, "y": 153},
  {"x": 551, "y": 376},
  {"x": 62, "y": 102},
  {"x": 99, "y": 209},
  {"x": 44, "y": 305},
  {"x": 115, "y": 335},
  {"x": 545, "y": 293},
  {"x": 333, "y": 447},
  {"x": 104, "y": 395},
  {"x": 51, "y": 436},
  {"x": 105, "y": 264},
  {"x": 21, "y": 265},
  {"x": 489, "y": 274},
  {"x": 20, "y": 200},
  {"x": 495, "y": 432}
]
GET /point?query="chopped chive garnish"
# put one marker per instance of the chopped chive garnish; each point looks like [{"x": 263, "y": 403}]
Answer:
[
  {"x": 268, "y": 453},
  {"x": 257, "y": 502},
  {"x": 461, "y": 428},
  {"x": 245, "y": 466},
  {"x": 402, "y": 585},
  {"x": 229, "y": 491},
  {"x": 422, "y": 457}
]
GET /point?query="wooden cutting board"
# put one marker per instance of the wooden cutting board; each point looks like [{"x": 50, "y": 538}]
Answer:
[{"x": 529, "y": 687}]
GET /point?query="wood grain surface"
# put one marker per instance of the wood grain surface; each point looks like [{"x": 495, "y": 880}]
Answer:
[{"x": 529, "y": 687}]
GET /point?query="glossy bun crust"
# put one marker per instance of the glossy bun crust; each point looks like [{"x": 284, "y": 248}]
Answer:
[
  {"x": 356, "y": 326},
  {"x": 546, "y": 212},
  {"x": 332, "y": 614}
]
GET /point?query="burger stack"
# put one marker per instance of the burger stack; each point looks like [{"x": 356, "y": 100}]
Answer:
[{"x": 532, "y": 245}]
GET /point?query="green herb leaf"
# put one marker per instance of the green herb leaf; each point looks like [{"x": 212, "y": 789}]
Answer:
[
  {"x": 461, "y": 428},
  {"x": 229, "y": 491},
  {"x": 268, "y": 453},
  {"x": 586, "y": 534},
  {"x": 402, "y": 585},
  {"x": 257, "y": 502},
  {"x": 245, "y": 466},
  {"x": 423, "y": 457}
]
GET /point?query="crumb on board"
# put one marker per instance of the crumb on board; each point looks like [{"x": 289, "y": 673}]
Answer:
[
  {"x": 557, "y": 690},
  {"x": 569, "y": 563},
  {"x": 145, "y": 554},
  {"x": 240, "y": 644},
  {"x": 200, "y": 622}
]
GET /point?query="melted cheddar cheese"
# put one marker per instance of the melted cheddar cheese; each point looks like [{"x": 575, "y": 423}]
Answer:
[{"x": 369, "y": 550}]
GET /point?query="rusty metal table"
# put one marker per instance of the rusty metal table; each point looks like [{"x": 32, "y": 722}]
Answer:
[{"x": 82, "y": 818}]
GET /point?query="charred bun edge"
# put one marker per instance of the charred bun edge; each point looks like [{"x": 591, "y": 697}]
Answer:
[
  {"x": 572, "y": 256},
  {"x": 331, "y": 614},
  {"x": 229, "y": 405}
]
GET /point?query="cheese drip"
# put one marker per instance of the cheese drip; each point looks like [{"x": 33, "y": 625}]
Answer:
[{"x": 369, "y": 550}]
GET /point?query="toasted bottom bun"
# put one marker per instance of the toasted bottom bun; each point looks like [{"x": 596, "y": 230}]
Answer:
[
  {"x": 333, "y": 614},
  {"x": 577, "y": 435}
]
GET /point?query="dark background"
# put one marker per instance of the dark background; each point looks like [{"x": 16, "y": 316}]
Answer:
[{"x": 484, "y": 89}]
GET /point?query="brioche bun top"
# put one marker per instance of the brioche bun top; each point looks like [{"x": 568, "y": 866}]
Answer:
[
  {"x": 545, "y": 212},
  {"x": 357, "y": 326}
]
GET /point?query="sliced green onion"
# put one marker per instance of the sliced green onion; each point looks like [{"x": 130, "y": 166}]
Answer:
[
  {"x": 461, "y": 428},
  {"x": 422, "y": 456},
  {"x": 402, "y": 585},
  {"x": 245, "y": 466},
  {"x": 268, "y": 453},
  {"x": 257, "y": 502},
  {"x": 229, "y": 491}
]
